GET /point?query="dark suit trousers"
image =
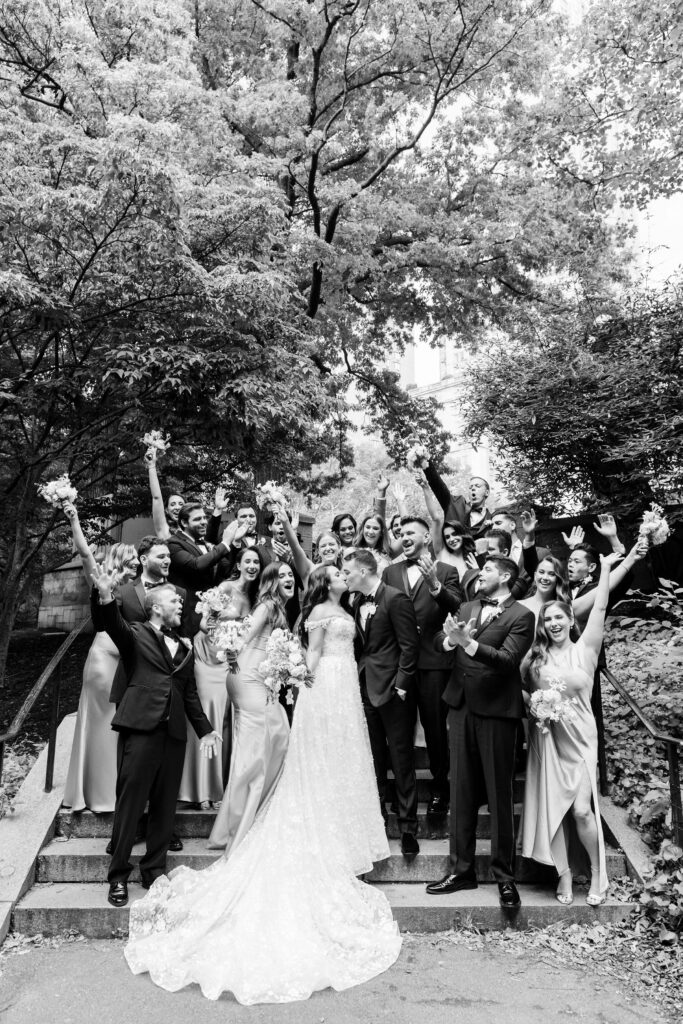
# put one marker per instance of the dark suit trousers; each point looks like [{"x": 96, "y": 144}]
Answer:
[
  {"x": 391, "y": 728},
  {"x": 150, "y": 767},
  {"x": 429, "y": 685},
  {"x": 482, "y": 771}
]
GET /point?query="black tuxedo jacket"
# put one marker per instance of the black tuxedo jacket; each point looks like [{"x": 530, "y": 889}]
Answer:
[
  {"x": 429, "y": 611},
  {"x": 388, "y": 647},
  {"x": 489, "y": 683},
  {"x": 193, "y": 570},
  {"x": 131, "y": 601},
  {"x": 158, "y": 686}
]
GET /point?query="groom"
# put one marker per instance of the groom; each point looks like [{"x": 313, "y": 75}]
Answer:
[
  {"x": 387, "y": 663},
  {"x": 484, "y": 695}
]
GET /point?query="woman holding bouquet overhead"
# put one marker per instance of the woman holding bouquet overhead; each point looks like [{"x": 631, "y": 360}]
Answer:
[
  {"x": 561, "y": 814},
  {"x": 260, "y": 730}
]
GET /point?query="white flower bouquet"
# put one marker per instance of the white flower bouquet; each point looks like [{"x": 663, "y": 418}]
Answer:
[
  {"x": 284, "y": 666},
  {"x": 58, "y": 491},
  {"x": 270, "y": 494},
  {"x": 654, "y": 527},
  {"x": 416, "y": 456},
  {"x": 213, "y": 601},
  {"x": 156, "y": 440},
  {"x": 548, "y": 705},
  {"x": 227, "y": 636}
]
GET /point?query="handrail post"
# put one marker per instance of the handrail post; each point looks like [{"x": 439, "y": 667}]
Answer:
[
  {"x": 675, "y": 790},
  {"x": 54, "y": 719},
  {"x": 596, "y": 704}
]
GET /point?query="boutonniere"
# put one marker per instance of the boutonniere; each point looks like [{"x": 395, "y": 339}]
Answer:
[{"x": 371, "y": 611}]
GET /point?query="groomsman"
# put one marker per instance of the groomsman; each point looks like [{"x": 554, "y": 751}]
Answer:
[
  {"x": 194, "y": 561},
  {"x": 151, "y": 722},
  {"x": 387, "y": 660},
  {"x": 434, "y": 589},
  {"x": 473, "y": 513},
  {"x": 484, "y": 695}
]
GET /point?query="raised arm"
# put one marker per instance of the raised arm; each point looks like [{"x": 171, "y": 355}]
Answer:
[
  {"x": 379, "y": 502},
  {"x": 80, "y": 543},
  {"x": 185, "y": 560},
  {"x": 161, "y": 527},
  {"x": 302, "y": 563},
  {"x": 595, "y": 627},
  {"x": 435, "y": 512},
  {"x": 586, "y": 602},
  {"x": 220, "y": 504}
]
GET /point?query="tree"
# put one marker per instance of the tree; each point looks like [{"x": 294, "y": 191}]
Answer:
[{"x": 591, "y": 420}]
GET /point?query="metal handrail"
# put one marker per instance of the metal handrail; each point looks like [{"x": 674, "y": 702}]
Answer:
[
  {"x": 25, "y": 709},
  {"x": 672, "y": 743}
]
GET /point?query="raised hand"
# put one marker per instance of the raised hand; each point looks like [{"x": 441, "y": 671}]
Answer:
[
  {"x": 471, "y": 562},
  {"x": 529, "y": 522},
  {"x": 606, "y": 526},
  {"x": 150, "y": 456},
  {"x": 611, "y": 559},
  {"x": 421, "y": 479},
  {"x": 70, "y": 510},
  {"x": 294, "y": 521},
  {"x": 399, "y": 493},
  {"x": 103, "y": 581},
  {"x": 575, "y": 537},
  {"x": 220, "y": 501},
  {"x": 382, "y": 481}
]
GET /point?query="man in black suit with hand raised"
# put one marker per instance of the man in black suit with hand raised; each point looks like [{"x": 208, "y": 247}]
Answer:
[
  {"x": 151, "y": 721},
  {"x": 484, "y": 694}
]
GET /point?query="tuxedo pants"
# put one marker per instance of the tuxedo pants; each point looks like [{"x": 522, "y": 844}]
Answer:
[
  {"x": 482, "y": 771},
  {"x": 429, "y": 685},
  {"x": 150, "y": 767},
  {"x": 391, "y": 728}
]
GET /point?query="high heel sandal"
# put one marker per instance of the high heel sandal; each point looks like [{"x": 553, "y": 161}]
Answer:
[
  {"x": 565, "y": 898},
  {"x": 595, "y": 899}
]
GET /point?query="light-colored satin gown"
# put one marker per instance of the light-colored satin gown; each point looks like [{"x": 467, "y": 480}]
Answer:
[
  {"x": 285, "y": 915},
  {"x": 557, "y": 761},
  {"x": 260, "y": 734},
  {"x": 91, "y": 778},
  {"x": 203, "y": 776}
]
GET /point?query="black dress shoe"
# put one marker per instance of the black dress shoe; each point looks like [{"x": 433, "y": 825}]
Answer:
[
  {"x": 176, "y": 843},
  {"x": 409, "y": 845},
  {"x": 509, "y": 897},
  {"x": 452, "y": 883},
  {"x": 438, "y": 807},
  {"x": 118, "y": 894}
]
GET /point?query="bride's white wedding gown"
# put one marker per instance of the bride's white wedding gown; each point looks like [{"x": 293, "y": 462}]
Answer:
[{"x": 284, "y": 915}]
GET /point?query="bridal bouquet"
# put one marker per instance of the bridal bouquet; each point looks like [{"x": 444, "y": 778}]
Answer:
[
  {"x": 227, "y": 636},
  {"x": 269, "y": 494},
  {"x": 213, "y": 601},
  {"x": 549, "y": 705},
  {"x": 284, "y": 666},
  {"x": 416, "y": 455},
  {"x": 56, "y": 492},
  {"x": 654, "y": 527},
  {"x": 156, "y": 441}
]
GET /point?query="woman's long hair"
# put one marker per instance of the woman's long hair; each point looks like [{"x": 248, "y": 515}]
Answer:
[
  {"x": 382, "y": 546},
  {"x": 317, "y": 592},
  {"x": 269, "y": 596},
  {"x": 542, "y": 642},
  {"x": 339, "y": 519},
  {"x": 329, "y": 533},
  {"x": 115, "y": 560},
  {"x": 468, "y": 545},
  {"x": 563, "y": 594},
  {"x": 252, "y": 588}
]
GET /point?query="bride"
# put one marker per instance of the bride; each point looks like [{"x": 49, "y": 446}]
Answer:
[{"x": 284, "y": 915}]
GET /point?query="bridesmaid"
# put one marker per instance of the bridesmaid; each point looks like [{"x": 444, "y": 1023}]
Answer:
[
  {"x": 91, "y": 778},
  {"x": 372, "y": 534},
  {"x": 164, "y": 517},
  {"x": 561, "y": 793},
  {"x": 550, "y": 584},
  {"x": 202, "y": 781},
  {"x": 260, "y": 730},
  {"x": 327, "y": 545}
]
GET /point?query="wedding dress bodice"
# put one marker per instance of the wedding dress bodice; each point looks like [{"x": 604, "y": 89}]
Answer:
[{"x": 339, "y": 635}]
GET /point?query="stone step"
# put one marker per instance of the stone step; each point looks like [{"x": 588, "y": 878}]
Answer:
[
  {"x": 85, "y": 860},
  {"x": 424, "y": 789},
  {"x": 52, "y": 908},
  {"x": 193, "y": 824}
]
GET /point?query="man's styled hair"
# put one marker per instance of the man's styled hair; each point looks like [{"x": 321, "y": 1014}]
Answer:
[
  {"x": 591, "y": 554},
  {"x": 152, "y": 596},
  {"x": 483, "y": 480},
  {"x": 504, "y": 510},
  {"x": 186, "y": 511},
  {"x": 363, "y": 558},
  {"x": 415, "y": 519},
  {"x": 507, "y": 565},
  {"x": 501, "y": 535},
  {"x": 147, "y": 543}
]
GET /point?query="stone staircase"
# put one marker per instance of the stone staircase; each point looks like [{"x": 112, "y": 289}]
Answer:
[{"x": 70, "y": 888}]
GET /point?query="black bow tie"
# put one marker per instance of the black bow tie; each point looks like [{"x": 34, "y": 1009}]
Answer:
[
  {"x": 151, "y": 586},
  {"x": 488, "y": 600},
  {"x": 411, "y": 561},
  {"x": 370, "y": 599},
  {"x": 170, "y": 633}
]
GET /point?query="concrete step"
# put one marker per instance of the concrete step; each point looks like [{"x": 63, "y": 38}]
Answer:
[
  {"x": 424, "y": 788},
  {"x": 85, "y": 860},
  {"x": 193, "y": 824},
  {"x": 82, "y": 907}
]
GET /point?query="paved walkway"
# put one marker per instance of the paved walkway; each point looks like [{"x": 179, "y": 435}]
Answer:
[{"x": 434, "y": 980}]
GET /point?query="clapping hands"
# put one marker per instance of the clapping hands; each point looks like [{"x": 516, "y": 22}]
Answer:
[{"x": 458, "y": 633}]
